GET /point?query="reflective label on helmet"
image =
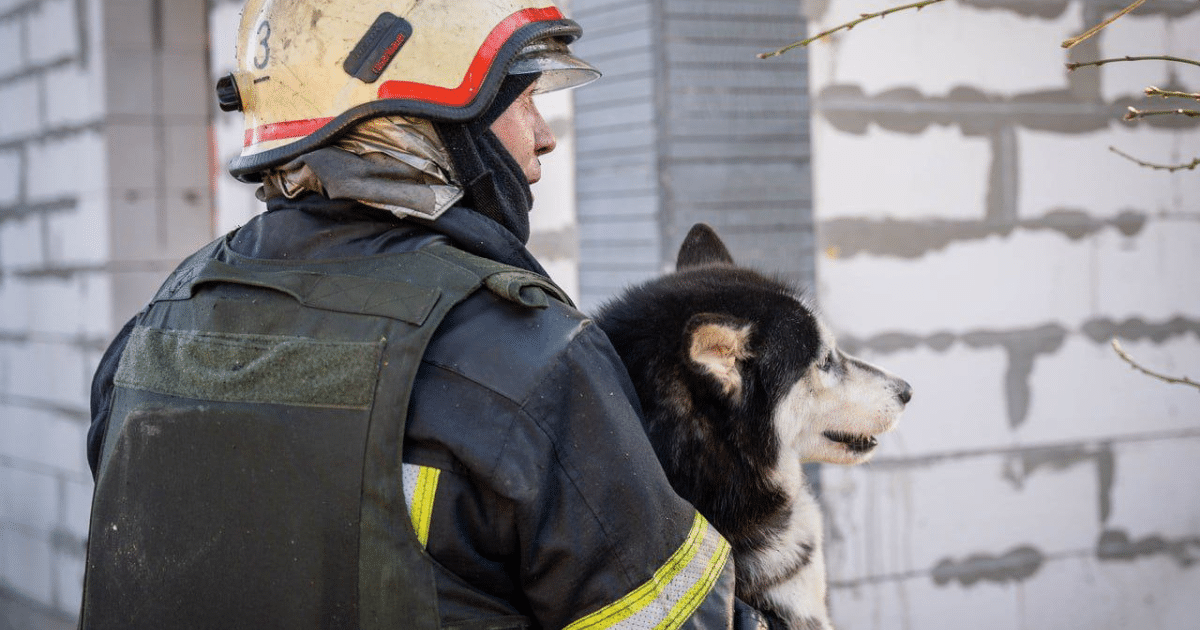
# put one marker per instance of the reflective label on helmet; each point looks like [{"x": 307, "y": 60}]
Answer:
[{"x": 377, "y": 47}]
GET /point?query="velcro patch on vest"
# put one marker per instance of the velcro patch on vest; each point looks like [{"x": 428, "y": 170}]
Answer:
[{"x": 231, "y": 367}]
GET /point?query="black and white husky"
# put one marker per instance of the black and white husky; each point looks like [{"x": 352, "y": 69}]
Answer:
[{"x": 741, "y": 383}]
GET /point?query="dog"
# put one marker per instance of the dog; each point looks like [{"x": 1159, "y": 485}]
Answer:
[{"x": 741, "y": 384}]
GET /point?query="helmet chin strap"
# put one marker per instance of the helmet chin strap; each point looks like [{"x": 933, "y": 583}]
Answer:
[{"x": 493, "y": 183}]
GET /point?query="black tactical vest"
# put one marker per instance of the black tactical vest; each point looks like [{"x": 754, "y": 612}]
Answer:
[{"x": 251, "y": 472}]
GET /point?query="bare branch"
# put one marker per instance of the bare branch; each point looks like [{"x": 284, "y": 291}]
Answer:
[
  {"x": 1070, "y": 43},
  {"x": 849, "y": 25},
  {"x": 1158, "y": 167},
  {"x": 1101, "y": 62},
  {"x": 1162, "y": 377},
  {"x": 1134, "y": 114},
  {"x": 1153, "y": 91}
]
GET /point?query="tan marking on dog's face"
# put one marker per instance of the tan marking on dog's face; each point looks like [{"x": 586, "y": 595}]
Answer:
[
  {"x": 843, "y": 396},
  {"x": 718, "y": 348}
]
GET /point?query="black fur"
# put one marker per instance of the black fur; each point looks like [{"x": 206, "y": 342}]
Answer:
[{"x": 717, "y": 450}]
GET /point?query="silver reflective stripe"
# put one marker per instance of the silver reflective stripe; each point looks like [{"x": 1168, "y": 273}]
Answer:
[
  {"x": 420, "y": 486},
  {"x": 674, "y": 592}
]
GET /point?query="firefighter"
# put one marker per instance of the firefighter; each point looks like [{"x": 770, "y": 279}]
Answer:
[{"x": 369, "y": 407}]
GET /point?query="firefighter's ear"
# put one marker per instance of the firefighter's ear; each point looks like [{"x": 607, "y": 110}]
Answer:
[{"x": 717, "y": 346}]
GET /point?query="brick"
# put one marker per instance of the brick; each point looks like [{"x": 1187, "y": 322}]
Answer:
[
  {"x": 917, "y": 602},
  {"x": 68, "y": 576},
  {"x": 63, "y": 306},
  {"x": 1140, "y": 35},
  {"x": 948, "y": 46},
  {"x": 65, "y": 167},
  {"x": 1150, "y": 274},
  {"x": 21, "y": 243},
  {"x": 184, "y": 26},
  {"x": 1155, "y": 487},
  {"x": 1085, "y": 391},
  {"x": 134, "y": 153},
  {"x": 223, "y": 22},
  {"x": 1083, "y": 593},
  {"x": 11, "y": 57},
  {"x": 127, "y": 25},
  {"x": 10, "y": 177},
  {"x": 80, "y": 236},
  {"x": 78, "y": 500},
  {"x": 130, "y": 92},
  {"x": 15, "y": 314},
  {"x": 28, "y": 499},
  {"x": 898, "y": 176},
  {"x": 44, "y": 438},
  {"x": 70, "y": 96},
  {"x": 1043, "y": 277},
  {"x": 1058, "y": 170},
  {"x": 53, "y": 31},
  {"x": 186, "y": 87},
  {"x": 20, "y": 109},
  {"x": 913, "y": 517},
  {"x": 54, "y": 373},
  {"x": 25, "y": 564}
]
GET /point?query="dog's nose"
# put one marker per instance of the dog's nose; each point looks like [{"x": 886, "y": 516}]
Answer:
[{"x": 903, "y": 391}]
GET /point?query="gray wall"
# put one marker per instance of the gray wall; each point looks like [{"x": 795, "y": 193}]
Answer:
[{"x": 688, "y": 125}]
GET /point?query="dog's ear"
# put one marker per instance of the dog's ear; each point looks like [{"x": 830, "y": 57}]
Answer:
[
  {"x": 702, "y": 247},
  {"x": 715, "y": 346}
]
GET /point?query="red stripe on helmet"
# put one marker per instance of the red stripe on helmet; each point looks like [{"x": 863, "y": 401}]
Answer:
[
  {"x": 284, "y": 130},
  {"x": 461, "y": 95},
  {"x": 452, "y": 97}
]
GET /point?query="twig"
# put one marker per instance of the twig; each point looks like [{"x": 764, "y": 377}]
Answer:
[
  {"x": 1101, "y": 62},
  {"x": 1158, "y": 167},
  {"x": 1070, "y": 43},
  {"x": 863, "y": 17},
  {"x": 1153, "y": 91},
  {"x": 1134, "y": 114},
  {"x": 1162, "y": 377}
]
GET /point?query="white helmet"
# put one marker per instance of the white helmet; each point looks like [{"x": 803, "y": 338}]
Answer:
[{"x": 308, "y": 71}]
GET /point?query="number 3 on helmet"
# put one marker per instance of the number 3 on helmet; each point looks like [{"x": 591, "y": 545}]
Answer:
[{"x": 308, "y": 71}]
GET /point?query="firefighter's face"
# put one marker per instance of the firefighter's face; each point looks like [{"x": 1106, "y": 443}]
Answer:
[{"x": 523, "y": 131}]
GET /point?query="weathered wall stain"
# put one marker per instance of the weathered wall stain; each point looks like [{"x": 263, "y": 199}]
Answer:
[
  {"x": 1020, "y": 466},
  {"x": 913, "y": 239},
  {"x": 906, "y": 110},
  {"x": 1101, "y": 330},
  {"x": 1014, "y": 566},
  {"x": 1116, "y": 545},
  {"x": 1021, "y": 345}
]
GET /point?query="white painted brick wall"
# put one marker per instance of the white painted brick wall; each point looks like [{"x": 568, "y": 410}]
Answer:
[
  {"x": 19, "y": 109},
  {"x": 902, "y": 176},
  {"x": 911, "y": 518},
  {"x": 21, "y": 243},
  {"x": 1084, "y": 390},
  {"x": 943, "y": 47},
  {"x": 78, "y": 238},
  {"x": 1078, "y": 171},
  {"x": 11, "y": 56},
  {"x": 1147, "y": 35},
  {"x": 65, "y": 167},
  {"x": 73, "y": 96},
  {"x": 55, "y": 373},
  {"x": 25, "y": 561},
  {"x": 1150, "y": 275},
  {"x": 53, "y": 31},
  {"x": 1150, "y": 495},
  {"x": 10, "y": 177},
  {"x": 39, "y": 437},
  {"x": 1024, "y": 280},
  {"x": 29, "y": 499}
]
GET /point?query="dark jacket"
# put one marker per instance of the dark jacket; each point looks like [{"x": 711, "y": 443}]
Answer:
[{"x": 549, "y": 507}]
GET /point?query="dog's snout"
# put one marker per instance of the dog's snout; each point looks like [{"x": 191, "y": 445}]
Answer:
[{"x": 903, "y": 391}]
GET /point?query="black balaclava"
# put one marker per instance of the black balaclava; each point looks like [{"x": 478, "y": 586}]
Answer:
[{"x": 493, "y": 183}]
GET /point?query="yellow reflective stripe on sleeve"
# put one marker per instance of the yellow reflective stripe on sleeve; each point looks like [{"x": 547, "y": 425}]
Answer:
[
  {"x": 420, "y": 486},
  {"x": 674, "y": 592}
]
